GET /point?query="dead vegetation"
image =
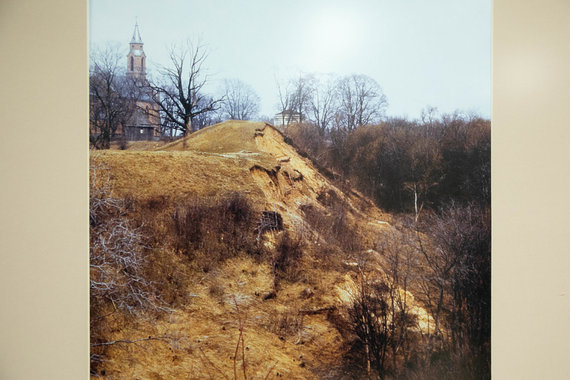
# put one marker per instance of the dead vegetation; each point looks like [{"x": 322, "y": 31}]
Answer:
[{"x": 254, "y": 267}]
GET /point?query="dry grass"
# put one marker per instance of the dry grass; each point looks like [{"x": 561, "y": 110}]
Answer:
[
  {"x": 176, "y": 175},
  {"x": 228, "y": 137},
  {"x": 137, "y": 145},
  {"x": 199, "y": 339}
]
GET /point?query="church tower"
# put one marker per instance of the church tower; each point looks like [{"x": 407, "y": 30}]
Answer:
[
  {"x": 144, "y": 123},
  {"x": 136, "y": 59}
]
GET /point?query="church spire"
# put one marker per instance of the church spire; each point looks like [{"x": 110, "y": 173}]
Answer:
[
  {"x": 136, "y": 35},
  {"x": 136, "y": 65}
]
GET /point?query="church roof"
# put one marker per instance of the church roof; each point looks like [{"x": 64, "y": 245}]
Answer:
[{"x": 136, "y": 35}]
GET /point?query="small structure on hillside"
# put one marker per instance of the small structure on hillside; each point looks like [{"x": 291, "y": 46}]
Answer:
[
  {"x": 270, "y": 221},
  {"x": 286, "y": 117}
]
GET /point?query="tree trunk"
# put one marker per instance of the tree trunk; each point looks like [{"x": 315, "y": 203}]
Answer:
[
  {"x": 188, "y": 127},
  {"x": 367, "y": 360},
  {"x": 416, "y": 202}
]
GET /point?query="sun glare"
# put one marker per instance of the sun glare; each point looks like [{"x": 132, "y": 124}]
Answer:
[{"x": 331, "y": 36}]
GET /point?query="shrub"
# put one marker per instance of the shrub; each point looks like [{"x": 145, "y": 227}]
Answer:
[
  {"x": 288, "y": 253},
  {"x": 286, "y": 323},
  {"x": 210, "y": 230},
  {"x": 333, "y": 226},
  {"x": 118, "y": 262}
]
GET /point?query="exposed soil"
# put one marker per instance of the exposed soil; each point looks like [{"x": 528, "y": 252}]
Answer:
[{"x": 289, "y": 331}]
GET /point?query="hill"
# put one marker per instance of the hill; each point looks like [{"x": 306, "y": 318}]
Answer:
[{"x": 256, "y": 255}]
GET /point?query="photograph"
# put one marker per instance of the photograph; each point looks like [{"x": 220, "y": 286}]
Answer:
[
  {"x": 284, "y": 190},
  {"x": 294, "y": 190}
]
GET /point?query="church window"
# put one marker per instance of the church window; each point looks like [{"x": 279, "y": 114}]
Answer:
[{"x": 132, "y": 64}]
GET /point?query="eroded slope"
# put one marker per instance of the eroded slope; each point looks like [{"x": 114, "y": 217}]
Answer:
[{"x": 289, "y": 327}]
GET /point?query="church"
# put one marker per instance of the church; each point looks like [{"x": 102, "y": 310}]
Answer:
[
  {"x": 145, "y": 121},
  {"x": 141, "y": 120}
]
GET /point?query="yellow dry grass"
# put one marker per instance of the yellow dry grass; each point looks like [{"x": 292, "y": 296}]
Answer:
[
  {"x": 231, "y": 136},
  {"x": 138, "y": 145},
  {"x": 198, "y": 340},
  {"x": 144, "y": 175}
]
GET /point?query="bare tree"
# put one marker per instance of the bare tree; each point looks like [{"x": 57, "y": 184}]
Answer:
[
  {"x": 112, "y": 95},
  {"x": 206, "y": 119},
  {"x": 424, "y": 170},
  {"x": 169, "y": 128},
  {"x": 401, "y": 260},
  {"x": 180, "y": 94},
  {"x": 241, "y": 102},
  {"x": 323, "y": 102},
  {"x": 362, "y": 102},
  {"x": 456, "y": 285},
  {"x": 303, "y": 88},
  {"x": 369, "y": 317},
  {"x": 295, "y": 97}
]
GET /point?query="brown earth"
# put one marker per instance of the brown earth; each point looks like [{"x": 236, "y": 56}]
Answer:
[{"x": 292, "y": 335}]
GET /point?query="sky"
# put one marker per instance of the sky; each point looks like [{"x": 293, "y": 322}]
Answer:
[{"x": 422, "y": 53}]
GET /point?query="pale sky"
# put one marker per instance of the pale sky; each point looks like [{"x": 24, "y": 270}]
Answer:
[{"x": 422, "y": 53}]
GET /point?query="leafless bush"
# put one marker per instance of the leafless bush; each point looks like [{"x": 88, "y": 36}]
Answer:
[
  {"x": 214, "y": 371},
  {"x": 457, "y": 283},
  {"x": 118, "y": 261},
  {"x": 369, "y": 318},
  {"x": 334, "y": 225},
  {"x": 117, "y": 252},
  {"x": 288, "y": 253},
  {"x": 187, "y": 222},
  {"x": 400, "y": 266},
  {"x": 286, "y": 323},
  {"x": 214, "y": 229}
]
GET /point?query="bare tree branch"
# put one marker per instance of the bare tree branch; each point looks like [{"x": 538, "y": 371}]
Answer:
[
  {"x": 240, "y": 100},
  {"x": 179, "y": 93}
]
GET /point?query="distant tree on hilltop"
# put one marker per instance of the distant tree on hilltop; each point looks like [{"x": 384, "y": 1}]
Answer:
[
  {"x": 179, "y": 90},
  {"x": 240, "y": 101},
  {"x": 327, "y": 101},
  {"x": 362, "y": 102}
]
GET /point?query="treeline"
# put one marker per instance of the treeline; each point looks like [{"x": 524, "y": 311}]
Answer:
[
  {"x": 447, "y": 269},
  {"x": 407, "y": 166},
  {"x": 435, "y": 175},
  {"x": 175, "y": 98}
]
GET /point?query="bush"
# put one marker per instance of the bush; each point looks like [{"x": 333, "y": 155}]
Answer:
[
  {"x": 119, "y": 264},
  {"x": 369, "y": 318},
  {"x": 286, "y": 259},
  {"x": 286, "y": 323},
  {"x": 209, "y": 231},
  {"x": 333, "y": 226}
]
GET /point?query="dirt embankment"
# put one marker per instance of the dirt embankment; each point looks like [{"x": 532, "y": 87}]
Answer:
[{"x": 288, "y": 330}]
